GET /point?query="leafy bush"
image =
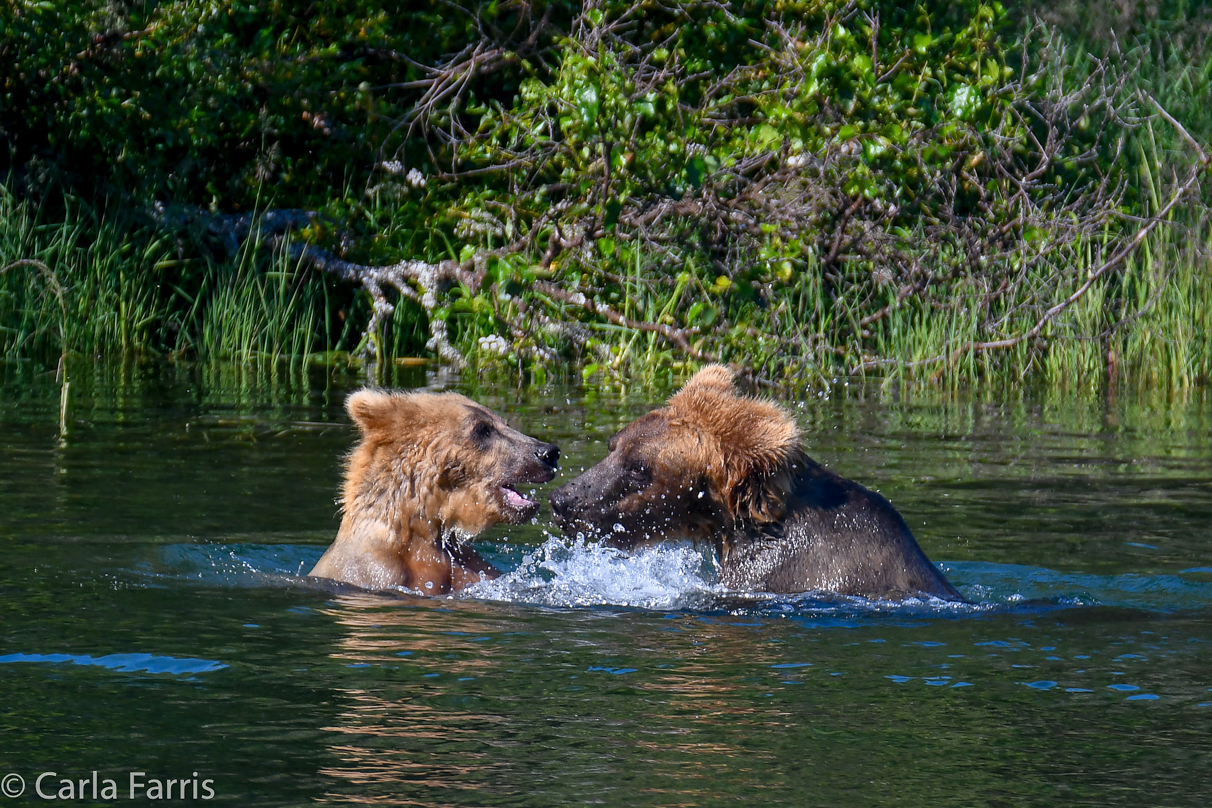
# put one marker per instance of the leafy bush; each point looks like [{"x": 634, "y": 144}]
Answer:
[{"x": 823, "y": 185}]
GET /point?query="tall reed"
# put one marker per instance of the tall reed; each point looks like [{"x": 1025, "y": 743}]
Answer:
[{"x": 92, "y": 283}]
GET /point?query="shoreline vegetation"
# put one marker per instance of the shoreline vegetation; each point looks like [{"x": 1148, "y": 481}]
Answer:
[{"x": 942, "y": 196}]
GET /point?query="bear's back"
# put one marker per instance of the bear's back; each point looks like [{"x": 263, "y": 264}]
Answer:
[{"x": 838, "y": 537}]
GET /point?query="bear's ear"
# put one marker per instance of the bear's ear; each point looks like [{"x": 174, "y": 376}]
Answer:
[
  {"x": 756, "y": 442},
  {"x": 373, "y": 410},
  {"x": 753, "y": 434},
  {"x": 713, "y": 377},
  {"x": 760, "y": 443},
  {"x": 755, "y": 437}
]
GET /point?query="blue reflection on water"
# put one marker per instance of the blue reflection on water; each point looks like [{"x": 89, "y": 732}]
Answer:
[{"x": 127, "y": 663}]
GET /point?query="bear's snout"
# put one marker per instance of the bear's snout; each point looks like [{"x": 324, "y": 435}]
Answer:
[
  {"x": 548, "y": 454},
  {"x": 571, "y": 502},
  {"x": 540, "y": 461},
  {"x": 560, "y": 501}
]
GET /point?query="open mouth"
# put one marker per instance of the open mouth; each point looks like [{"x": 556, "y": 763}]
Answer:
[
  {"x": 519, "y": 503},
  {"x": 518, "y": 506}
]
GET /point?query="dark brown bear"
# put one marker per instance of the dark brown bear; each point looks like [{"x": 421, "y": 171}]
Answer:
[
  {"x": 726, "y": 470},
  {"x": 432, "y": 470}
]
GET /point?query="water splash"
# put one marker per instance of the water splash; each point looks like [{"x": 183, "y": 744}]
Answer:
[
  {"x": 589, "y": 574},
  {"x": 679, "y": 577}
]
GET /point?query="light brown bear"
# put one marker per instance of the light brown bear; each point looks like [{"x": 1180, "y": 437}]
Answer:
[
  {"x": 726, "y": 470},
  {"x": 432, "y": 470}
]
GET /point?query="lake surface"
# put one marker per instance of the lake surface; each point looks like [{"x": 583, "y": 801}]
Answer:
[{"x": 152, "y": 620}]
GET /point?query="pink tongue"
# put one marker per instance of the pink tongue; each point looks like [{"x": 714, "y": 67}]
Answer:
[{"x": 515, "y": 499}]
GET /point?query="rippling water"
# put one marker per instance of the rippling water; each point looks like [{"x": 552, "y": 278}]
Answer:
[{"x": 152, "y": 617}]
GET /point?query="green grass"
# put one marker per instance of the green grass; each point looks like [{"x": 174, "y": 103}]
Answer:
[
  {"x": 87, "y": 283},
  {"x": 94, "y": 286}
]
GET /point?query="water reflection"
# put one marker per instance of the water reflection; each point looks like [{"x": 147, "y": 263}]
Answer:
[
  {"x": 459, "y": 714},
  {"x": 175, "y": 520},
  {"x": 474, "y": 703},
  {"x": 403, "y": 739}
]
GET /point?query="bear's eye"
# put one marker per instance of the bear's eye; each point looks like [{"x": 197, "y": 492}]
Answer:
[
  {"x": 481, "y": 432},
  {"x": 638, "y": 473}
]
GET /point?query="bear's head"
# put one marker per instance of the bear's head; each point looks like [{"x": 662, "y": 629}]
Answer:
[
  {"x": 442, "y": 459},
  {"x": 708, "y": 459}
]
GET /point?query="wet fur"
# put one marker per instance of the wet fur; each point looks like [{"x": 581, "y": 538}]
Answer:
[
  {"x": 727, "y": 470},
  {"x": 425, "y": 477}
]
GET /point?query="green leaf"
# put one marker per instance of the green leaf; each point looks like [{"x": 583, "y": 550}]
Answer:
[
  {"x": 613, "y": 208},
  {"x": 588, "y": 104},
  {"x": 696, "y": 169},
  {"x": 965, "y": 101},
  {"x": 767, "y": 135}
]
